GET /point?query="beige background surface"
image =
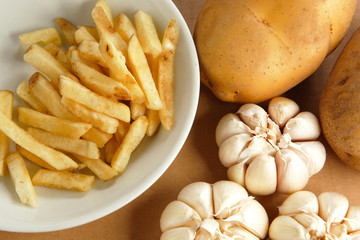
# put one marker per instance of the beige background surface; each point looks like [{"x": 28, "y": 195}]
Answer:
[{"x": 198, "y": 161}]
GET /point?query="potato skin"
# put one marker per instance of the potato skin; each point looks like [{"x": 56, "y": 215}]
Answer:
[
  {"x": 253, "y": 50},
  {"x": 339, "y": 108}
]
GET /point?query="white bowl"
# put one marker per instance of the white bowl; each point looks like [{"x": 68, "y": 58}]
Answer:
[{"x": 60, "y": 209}]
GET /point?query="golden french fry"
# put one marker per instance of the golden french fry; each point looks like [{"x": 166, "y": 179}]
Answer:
[
  {"x": 98, "y": 167},
  {"x": 122, "y": 130},
  {"x": 63, "y": 180},
  {"x": 49, "y": 96},
  {"x": 97, "y": 136},
  {"x": 21, "y": 179},
  {"x": 143, "y": 75},
  {"x": 68, "y": 30},
  {"x": 33, "y": 158},
  {"x": 89, "y": 51},
  {"x": 130, "y": 142},
  {"x": 43, "y": 61},
  {"x": 115, "y": 61},
  {"x": 92, "y": 30},
  {"x": 54, "y": 158},
  {"x": 59, "y": 54},
  {"x": 99, "y": 120},
  {"x": 124, "y": 27},
  {"x": 110, "y": 148},
  {"x": 79, "y": 146},
  {"x": 154, "y": 121},
  {"x": 101, "y": 83},
  {"x": 106, "y": 15},
  {"x": 55, "y": 125},
  {"x": 83, "y": 34},
  {"x": 44, "y": 36},
  {"x": 24, "y": 92},
  {"x": 6, "y": 107},
  {"x": 75, "y": 57},
  {"x": 166, "y": 74},
  {"x": 78, "y": 93},
  {"x": 137, "y": 110}
]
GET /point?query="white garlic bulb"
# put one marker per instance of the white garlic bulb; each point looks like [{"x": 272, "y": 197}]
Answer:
[
  {"x": 270, "y": 152},
  {"x": 304, "y": 216},
  {"x": 218, "y": 211}
]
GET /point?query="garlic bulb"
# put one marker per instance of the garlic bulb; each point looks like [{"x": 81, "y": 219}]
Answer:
[
  {"x": 304, "y": 216},
  {"x": 270, "y": 152},
  {"x": 219, "y": 211}
]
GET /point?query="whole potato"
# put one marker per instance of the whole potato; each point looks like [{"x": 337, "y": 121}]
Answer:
[
  {"x": 254, "y": 50},
  {"x": 339, "y": 108}
]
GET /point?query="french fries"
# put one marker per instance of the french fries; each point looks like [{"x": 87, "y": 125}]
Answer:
[
  {"x": 82, "y": 34},
  {"x": 33, "y": 158},
  {"x": 78, "y": 93},
  {"x": 6, "y": 103},
  {"x": 24, "y": 92},
  {"x": 55, "y": 125},
  {"x": 68, "y": 30},
  {"x": 44, "y": 36},
  {"x": 124, "y": 27},
  {"x": 21, "y": 179},
  {"x": 63, "y": 180}
]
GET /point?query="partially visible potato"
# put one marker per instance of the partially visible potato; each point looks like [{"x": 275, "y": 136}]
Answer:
[
  {"x": 254, "y": 50},
  {"x": 340, "y": 104}
]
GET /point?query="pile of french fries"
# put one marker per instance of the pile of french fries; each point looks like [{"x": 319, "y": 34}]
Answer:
[{"x": 110, "y": 88}]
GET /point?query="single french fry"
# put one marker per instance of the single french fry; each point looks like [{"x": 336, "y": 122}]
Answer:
[
  {"x": 166, "y": 74},
  {"x": 98, "y": 167},
  {"x": 6, "y": 107},
  {"x": 79, "y": 146},
  {"x": 92, "y": 30},
  {"x": 89, "y": 51},
  {"x": 78, "y": 93},
  {"x": 63, "y": 180},
  {"x": 21, "y": 179},
  {"x": 83, "y": 34},
  {"x": 115, "y": 61},
  {"x": 24, "y": 92},
  {"x": 101, "y": 83},
  {"x": 55, "y": 125},
  {"x": 43, "y": 61},
  {"x": 97, "y": 136},
  {"x": 143, "y": 75},
  {"x": 44, "y": 36},
  {"x": 124, "y": 26},
  {"x": 75, "y": 57},
  {"x": 122, "y": 130},
  {"x": 33, "y": 158},
  {"x": 110, "y": 148},
  {"x": 137, "y": 110},
  {"x": 68, "y": 30},
  {"x": 49, "y": 96},
  {"x": 154, "y": 122},
  {"x": 54, "y": 158},
  {"x": 130, "y": 142},
  {"x": 59, "y": 54},
  {"x": 99, "y": 120},
  {"x": 107, "y": 17}
]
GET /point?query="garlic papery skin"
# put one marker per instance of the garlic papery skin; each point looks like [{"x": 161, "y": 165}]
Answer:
[
  {"x": 329, "y": 220},
  {"x": 292, "y": 172},
  {"x": 261, "y": 176},
  {"x": 286, "y": 228},
  {"x": 304, "y": 126},
  {"x": 285, "y": 127},
  {"x": 198, "y": 196},
  {"x": 282, "y": 110},
  {"x": 235, "y": 215}
]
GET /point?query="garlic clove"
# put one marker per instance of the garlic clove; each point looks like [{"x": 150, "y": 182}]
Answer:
[
  {"x": 181, "y": 233},
  {"x": 208, "y": 230},
  {"x": 258, "y": 146},
  {"x": 282, "y": 109},
  {"x": 253, "y": 115},
  {"x": 304, "y": 126},
  {"x": 352, "y": 219},
  {"x": 298, "y": 202},
  {"x": 226, "y": 195},
  {"x": 339, "y": 231},
  {"x": 178, "y": 214},
  {"x": 230, "y": 125},
  {"x": 313, "y": 153},
  {"x": 292, "y": 172},
  {"x": 231, "y": 149},
  {"x": 313, "y": 224},
  {"x": 234, "y": 231},
  {"x": 198, "y": 195},
  {"x": 260, "y": 176},
  {"x": 333, "y": 207},
  {"x": 285, "y": 228},
  {"x": 252, "y": 216},
  {"x": 236, "y": 173}
]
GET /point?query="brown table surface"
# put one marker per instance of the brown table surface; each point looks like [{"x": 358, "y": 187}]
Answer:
[{"x": 198, "y": 161}]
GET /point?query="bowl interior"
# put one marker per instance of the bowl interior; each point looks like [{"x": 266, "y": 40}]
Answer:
[{"x": 59, "y": 209}]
